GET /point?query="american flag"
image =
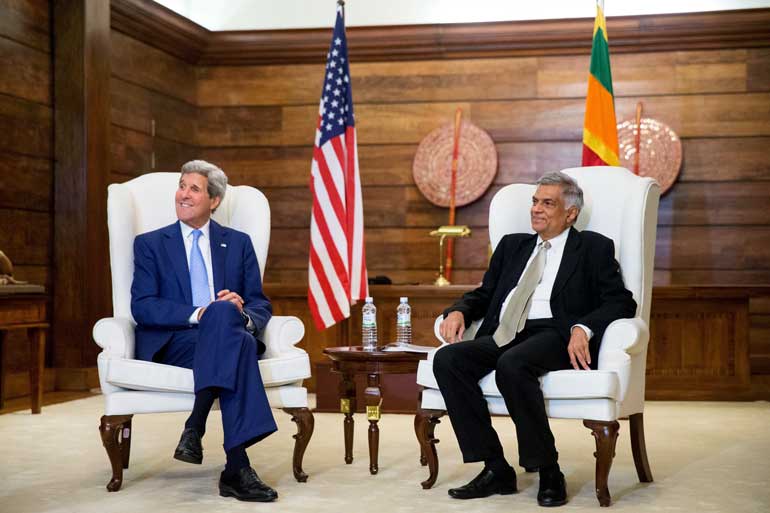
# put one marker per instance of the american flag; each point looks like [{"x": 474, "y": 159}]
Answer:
[{"x": 337, "y": 268}]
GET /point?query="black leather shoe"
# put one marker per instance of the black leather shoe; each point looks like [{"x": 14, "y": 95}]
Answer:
[
  {"x": 552, "y": 491},
  {"x": 484, "y": 485},
  {"x": 189, "y": 448},
  {"x": 246, "y": 486}
]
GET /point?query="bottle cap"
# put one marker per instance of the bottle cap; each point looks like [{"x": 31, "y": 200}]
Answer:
[
  {"x": 404, "y": 299},
  {"x": 369, "y": 299}
]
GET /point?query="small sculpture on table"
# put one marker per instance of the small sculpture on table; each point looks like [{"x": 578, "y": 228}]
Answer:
[{"x": 6, "y": 272}]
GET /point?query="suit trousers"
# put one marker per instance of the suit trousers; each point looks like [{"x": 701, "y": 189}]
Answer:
[
  {"x": 222, "y": 354},
  {"x": 458, "y": 367}
]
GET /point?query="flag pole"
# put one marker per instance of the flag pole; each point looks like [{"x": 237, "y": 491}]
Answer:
[
  {"x": 453, "y": 192},
  {"x": 345, "y": 324},
  {"x": 638, "y": 137}
]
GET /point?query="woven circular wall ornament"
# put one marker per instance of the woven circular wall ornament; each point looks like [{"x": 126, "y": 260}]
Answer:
[
  {"x": 660, "y": 150},
  {"x": 476, "y": 169}
]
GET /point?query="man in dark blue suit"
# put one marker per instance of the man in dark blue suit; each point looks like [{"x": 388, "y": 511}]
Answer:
[{"x": 198, "y": 303}]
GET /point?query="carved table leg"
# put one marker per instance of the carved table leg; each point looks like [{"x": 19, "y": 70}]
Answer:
[
  {"x": 424, "y": 424},
  {"x": 116, "y": 437},
  {"x": 639, "y": 448},
  {"x": 36, "y": 338},
  {"x": 305, "y": 421},
  {"x": 348, "y": 407},
  {"x": 606, "y": 435},
  {"x": 373, "y": 397}
]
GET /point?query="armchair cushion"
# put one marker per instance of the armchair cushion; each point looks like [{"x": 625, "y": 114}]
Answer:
[
  {"x": 564, "y": 384},
  {"x": 157, "y": 377}
]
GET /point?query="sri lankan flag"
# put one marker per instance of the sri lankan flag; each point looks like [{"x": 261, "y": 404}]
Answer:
[{"x": 600, "y": 134}]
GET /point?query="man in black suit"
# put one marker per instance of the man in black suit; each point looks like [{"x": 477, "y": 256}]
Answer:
[{"x": 546, "y": 300}]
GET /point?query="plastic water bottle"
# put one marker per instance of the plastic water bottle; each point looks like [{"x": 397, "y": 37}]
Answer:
[
  {"x": 404, "y": 323},
  {"x": 369, "y": 325}
]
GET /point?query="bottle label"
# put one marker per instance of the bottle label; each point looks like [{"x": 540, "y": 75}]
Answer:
[
  {"x": 404, "y": 319},
  {"x": 370, "y": 319}
]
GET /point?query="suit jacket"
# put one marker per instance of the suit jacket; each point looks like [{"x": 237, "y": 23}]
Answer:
[
  {"x": 161, "y": 295},
  {"x": 588, "y": 288}
]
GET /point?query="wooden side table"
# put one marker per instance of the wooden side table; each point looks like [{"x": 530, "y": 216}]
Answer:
[
  {"x": 350, "y": 361},
  {"x": 25, "y": 308}
]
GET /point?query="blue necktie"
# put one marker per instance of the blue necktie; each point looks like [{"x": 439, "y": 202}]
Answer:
[{"x": 199, "y": 280}]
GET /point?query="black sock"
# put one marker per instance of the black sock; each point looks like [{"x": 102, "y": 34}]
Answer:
[
  {"x": 204, "y": 400},
  {"x": 549, "y": 470},
  {"x": 236, "y": 460},
  {"x": 499, "y": 466}
]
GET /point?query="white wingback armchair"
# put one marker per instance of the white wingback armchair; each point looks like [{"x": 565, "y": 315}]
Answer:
[
  {"x": 623, "y": 207},
  {"x": 133, "y": 386}
]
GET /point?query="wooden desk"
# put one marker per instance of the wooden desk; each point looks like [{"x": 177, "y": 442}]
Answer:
[
  {"x": 350, "y": 361},
  {"x": 26, "y": 311}
]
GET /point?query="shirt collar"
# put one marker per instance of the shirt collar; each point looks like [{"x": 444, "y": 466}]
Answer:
[
  {"x": 187, "y": 229},
  {"x": 557, "y": 242}
]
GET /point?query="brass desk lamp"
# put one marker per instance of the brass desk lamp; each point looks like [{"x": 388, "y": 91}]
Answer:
[{"x": 442, "y": 233}]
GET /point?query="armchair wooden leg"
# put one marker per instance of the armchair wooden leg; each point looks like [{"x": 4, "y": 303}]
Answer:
[
  {"x": 606, "y": 435},
  {"x": 639, "y": 448},
  {"x": 305, "y": 421},
  {"x": 116, "y": 437},
  {"x": 424, "y": 424}
]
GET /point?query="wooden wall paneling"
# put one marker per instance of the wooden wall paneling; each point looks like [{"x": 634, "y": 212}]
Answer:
[
  {"x": 386, "y": 248},
  {"x": 290, "y": 208},
  {"x": 713, "y": 247},
  {"x": 27, "y": 22},
  {"x": 277, "y": 276},
  {"x": 28, "y": 73},
  {"x": 698, "y": 348},
  {"x": 160, "y": 27},
  {"x": 373, "y": 82},
  {"x": 139, "y": 63},
  {"x": 744, "y": 277},
  {"x": 221, "y": 86},
  {"x": 715, "y": 204},
  {"x": 148, "y": 21},
  {"x": 718, "y": 159},
  {"x": 31, "y": 127},
  {"x": 28, "y": 243},
  {"x": 136, "y": 108},
  {"x": 516, "y": 120},
  {"x": 131, "y": 152},
  {"x": 261, "y": 167},
  {"x": 249, "y": 126},
  {"x": 758, "y": 72},
  {"x": 389, "y": 164},
  {"x": 648, "y": 73},
  {"x": 25, "y": 182},
  {"x": 628, "y": 34},
  {"x": 82, "y": 105},
  {"x": 759, "y": 335}
]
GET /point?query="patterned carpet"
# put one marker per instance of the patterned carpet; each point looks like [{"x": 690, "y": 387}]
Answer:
[{"x": 705, "y": 457}]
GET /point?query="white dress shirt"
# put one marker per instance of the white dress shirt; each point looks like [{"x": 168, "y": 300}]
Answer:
[
  {"x": 204, "y": 243},
  {"x": 541, "y": 298}
]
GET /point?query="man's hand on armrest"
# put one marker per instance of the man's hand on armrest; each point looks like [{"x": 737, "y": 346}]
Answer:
[
  {"x": 452, "y": 327},
  {"x": 579, "y": 354}
]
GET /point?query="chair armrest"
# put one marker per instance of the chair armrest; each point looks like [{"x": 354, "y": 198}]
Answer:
[
  {"x": 627, "y": 335},
  {"x": 468, "y": 334},
  {"x": 281, "y": 334},
  {"x": 116, "y": 336}
]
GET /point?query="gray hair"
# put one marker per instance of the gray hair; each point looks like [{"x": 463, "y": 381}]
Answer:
[
  {"x": 570, "y": 190},
  {"x": 216, "y": 177}
]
